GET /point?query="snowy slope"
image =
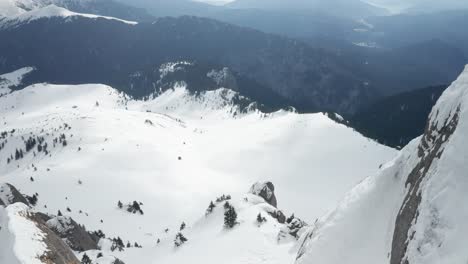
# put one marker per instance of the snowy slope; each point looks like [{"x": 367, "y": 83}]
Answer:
[
  {"x": 10, "y": 80},
  {"x": 13, "y": 13},
  {"x": 21, "y": 239},
  {"x": 412, "y": 211},
  {"x": 175, "y": 154}
]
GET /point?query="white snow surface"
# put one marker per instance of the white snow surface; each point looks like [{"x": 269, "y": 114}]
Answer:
[
  {"x": 113, "y": 153},
  {"x": 360, "y": 230},
  {"x": 22, "y": 240},
  {"x": 38, "y": 11},
  {"x": 9, "y": 80}
]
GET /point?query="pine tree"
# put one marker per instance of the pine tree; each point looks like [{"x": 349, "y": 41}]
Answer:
[
  {"x": 182, "y": 226},
  {"x": 118, "y": 244},
  {"x": 180, "y": 239},
  {"x": 120, "y": 205},
  {"x": 210, "y": 208},
  {"x": 260, "y": 218},
  {"x": 59, "y": 213},
  {"x": 230, "y": 216},
  {"x": 85, "y": 259}
]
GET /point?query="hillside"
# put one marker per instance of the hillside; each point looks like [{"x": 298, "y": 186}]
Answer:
[
  {"x": 175, "y": 153},
  {"x": 409, "y": 212}
]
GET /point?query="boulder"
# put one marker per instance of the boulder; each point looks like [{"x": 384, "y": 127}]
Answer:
[{"x": 266, "y": 190}]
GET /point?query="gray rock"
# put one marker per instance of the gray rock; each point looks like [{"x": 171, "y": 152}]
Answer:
[
  {"x": 74, "y": 234},
  {"x": 279, "y": 216},
  {"x": 10, "y": 195},
  {"x": 57, "y": 251},
  {"x": 265, "y": 190},
  {"x": 430, "y": 148}
]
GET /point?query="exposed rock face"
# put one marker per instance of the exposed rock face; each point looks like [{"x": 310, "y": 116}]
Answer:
[
  {"x": 10, "y": 195},
  {"x": 57, "y": 251},
  {"x": 420, "y": 194},
  {"x": 278, "y": 215},
  {"x": 295, "y": 226},
  {"x": 430, "y": 148},
  {"x": 118, "y": 261},
  {"x": 265, "y": 190},
  {"x": 74, "y": 234}
]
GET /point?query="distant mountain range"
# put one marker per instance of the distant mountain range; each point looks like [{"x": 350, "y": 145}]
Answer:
[
  {"x": 339, "y": 8},
  {"x": 328, "y": 71},
  {"x": 107, "y": 51}
]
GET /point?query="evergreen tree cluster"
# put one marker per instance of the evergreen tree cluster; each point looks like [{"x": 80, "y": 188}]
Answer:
[
  {"x": 19, "y": 154},
  {"x": 223, "y": 198},
  {"x": 210, "y": 208},
  {"x": 2, "y": 144},
  {"x": 3, "y": 134},
  {"x": 32, "y": 199},
  {"x": 62, "y": 139},
  {"x": 230, "y": 215},
  {"x": 261, "y": 219},
  {"x": 85, "y": 259},
  {"x": 133, "y": 208},
  {"x": 97, "y": 235},
  {"x": 117, "y": 244},
  {"x": 30, "y": 143},
  {"x": 180, "y": 239}
]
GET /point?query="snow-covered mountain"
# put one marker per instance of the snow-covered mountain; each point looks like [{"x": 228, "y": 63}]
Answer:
[
  {"x": 105, "y": 8},
  {"x": 80, "y": 149},
  {"x": 50, "y": 11},
  {"x": 13, "y": 79},
  {"x": 412, "y": 211},
  {"x": 347, "y": 8}
]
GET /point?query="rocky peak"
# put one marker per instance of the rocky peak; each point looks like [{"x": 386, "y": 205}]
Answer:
[{"x": 266, "y": 190}]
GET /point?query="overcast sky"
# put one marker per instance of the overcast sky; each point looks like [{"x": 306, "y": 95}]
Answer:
[
  {"x": 215, "y": 2},
  {"x": 395, "y": 6}
]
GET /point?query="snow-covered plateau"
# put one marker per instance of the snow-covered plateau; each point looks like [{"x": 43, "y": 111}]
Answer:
[
  {"x": 137, "y": 170},
  {"x": 90, "y": 174}
]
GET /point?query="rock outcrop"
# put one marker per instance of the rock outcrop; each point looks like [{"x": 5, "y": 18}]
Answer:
[
  {"x": 412, "y": 211},
  {"x": 57, "y": 251},
  {"x": 266, "y": 190},
  {"x": 73, "y": 234},
  {"x": 10, "y": 195}
]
